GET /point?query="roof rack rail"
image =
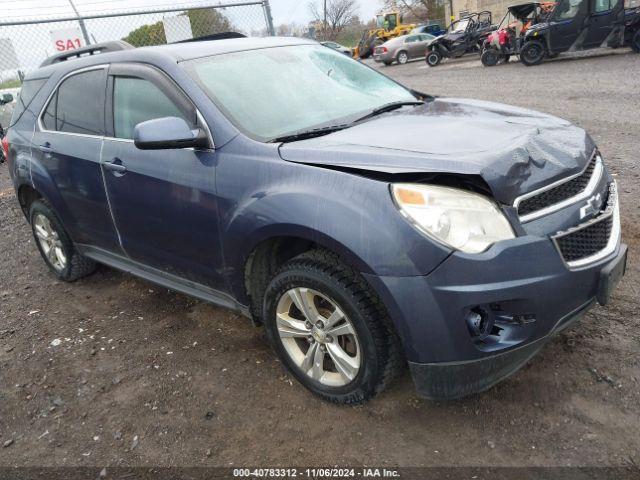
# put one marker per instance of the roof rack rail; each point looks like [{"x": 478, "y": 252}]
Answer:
[
  {"x": 214, "y": 36},
  {"x": 94, "y": 49}
]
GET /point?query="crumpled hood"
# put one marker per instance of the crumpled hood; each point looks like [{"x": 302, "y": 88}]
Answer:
[{"x": 513, "y": 149}]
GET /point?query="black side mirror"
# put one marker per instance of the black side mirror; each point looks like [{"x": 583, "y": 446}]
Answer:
[{"x": 168, "y": 133}]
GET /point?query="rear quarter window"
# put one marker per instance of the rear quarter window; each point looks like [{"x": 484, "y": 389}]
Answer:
[{"x": 29, "y": 90}]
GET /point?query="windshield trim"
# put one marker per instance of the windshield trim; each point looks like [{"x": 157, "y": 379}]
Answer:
[{"x": 186, "y": 65}]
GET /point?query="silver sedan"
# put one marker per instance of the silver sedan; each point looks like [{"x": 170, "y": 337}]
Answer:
[{"x": 402, "y": 49}]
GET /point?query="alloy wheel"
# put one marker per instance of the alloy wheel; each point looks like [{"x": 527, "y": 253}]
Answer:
[
  {"x": 50, "y": 242},
  {"x": 403, "y": 58},
  {"x": 318, "y": 336}
]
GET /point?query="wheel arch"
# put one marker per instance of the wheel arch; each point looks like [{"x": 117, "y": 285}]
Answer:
[{"x": 275, "y": 245}]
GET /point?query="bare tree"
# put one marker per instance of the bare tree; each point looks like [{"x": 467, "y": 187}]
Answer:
[
  {"x": 340, "y": 14},
  {"x": 421, "y": 10}
]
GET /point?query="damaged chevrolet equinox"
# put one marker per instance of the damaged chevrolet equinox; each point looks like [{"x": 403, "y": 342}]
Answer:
[{"x": 367, "y": 226}]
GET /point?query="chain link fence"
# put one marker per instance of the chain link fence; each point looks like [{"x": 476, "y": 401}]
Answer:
[{"x": 24, "y": 44}]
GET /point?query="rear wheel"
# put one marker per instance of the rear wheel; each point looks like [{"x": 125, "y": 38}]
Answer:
[
  {"x": 402, "y": 57},
  {"x": 532, "y": 53},
  {"x": 387, "y": 63},
  {"x": 55, "y": 246},
  {"x": 635, "y": 41},
  {"x": 433, "y": 58},
  {"x": 329, "y": 330}
]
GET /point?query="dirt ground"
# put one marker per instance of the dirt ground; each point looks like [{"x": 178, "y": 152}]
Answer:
[{"x": 112, "y": 370}]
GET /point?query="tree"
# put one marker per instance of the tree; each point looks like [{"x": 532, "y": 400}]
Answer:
[
  {"x": 204, "y": 21},
  {"x": 340, "y": 14},
  {"x": 416, "y": 10}
]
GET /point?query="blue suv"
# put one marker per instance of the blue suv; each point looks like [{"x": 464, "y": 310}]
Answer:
[{"x": 367, "y": 226}]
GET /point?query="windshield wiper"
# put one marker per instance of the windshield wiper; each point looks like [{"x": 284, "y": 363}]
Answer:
[
  {"x": 314, "y": 132},
  {"x": 388, "y": 108}
]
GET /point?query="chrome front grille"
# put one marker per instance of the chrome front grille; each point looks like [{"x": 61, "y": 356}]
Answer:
[
  {"x": 558, "y": 195},
  {"x": 592, "y": 240}
]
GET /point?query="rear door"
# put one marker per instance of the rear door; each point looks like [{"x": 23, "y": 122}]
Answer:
[
  {"x": 568, "y": 23},
  {"x": 163, "y": 201},
  {"x": 67, "y": 142},
  {"x": 605, "y": 15},
  {"x": 411, "y": 45}
]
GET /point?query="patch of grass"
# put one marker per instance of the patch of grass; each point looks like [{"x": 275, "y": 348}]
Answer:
[{"x": 11, "y": 84}]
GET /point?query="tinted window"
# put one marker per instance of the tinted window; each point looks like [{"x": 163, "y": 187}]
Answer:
[
  {"x": 136, "y": 100},
  {"x": 28, "y": 91},
  {"x": 604, "y": 5},
  {"x": 80, "y": 103},
  {"x": 568, "y": 9},
  {"x": 49, "y": 116}
]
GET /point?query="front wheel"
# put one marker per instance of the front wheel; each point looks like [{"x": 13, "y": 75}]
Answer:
[
  {"x": 532, "y": 53},
  {"x": 434, "y": 58},
  {"x": 490, "y": 57},
  {"x": 635, "y": 42},
  {"x": 329, "y": 329}
]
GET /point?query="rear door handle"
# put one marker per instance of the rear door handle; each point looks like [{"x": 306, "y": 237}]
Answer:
[
  {"x": 115, "y": 166},
  {"x": 46, "y": 148}
]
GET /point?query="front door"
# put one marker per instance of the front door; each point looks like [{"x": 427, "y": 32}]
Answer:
[
  {"x": 67, "y": 143},
  {"x": 603, "y": 19},
  {"x": 567, "y": 24},
  {"x": 163, "y": 201}
]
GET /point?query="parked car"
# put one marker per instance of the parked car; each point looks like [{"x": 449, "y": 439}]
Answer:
[
  {"x": 402, "y": 49},
  {"x": 573, "y": 25},
  {"x": 358, "y": 226},
  {"x": 337, "y": 47},
  {"x": 7, "y": 104},
  {"x": 432, "y": 28},
  {"x": 463, "y": 36}
]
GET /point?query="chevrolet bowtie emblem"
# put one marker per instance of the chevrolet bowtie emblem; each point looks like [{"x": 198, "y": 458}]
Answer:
[{"x": 591, "y": 206}]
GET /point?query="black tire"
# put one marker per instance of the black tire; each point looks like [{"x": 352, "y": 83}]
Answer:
[
  {"x": 433, "y": 58},
  {"x": 76, "y": 265},
  {"x": 381, "y": 360},
  {"x": 635, "y": 41},
  {"x": 532, "y": 53},
  {"x": 402, "y": 57},
  {"x": 388, "y": 63},
  {"x": 490, "y": 57}
]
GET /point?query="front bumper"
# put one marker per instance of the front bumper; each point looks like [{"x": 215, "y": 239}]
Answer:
[{"x": 523, "y": 283}]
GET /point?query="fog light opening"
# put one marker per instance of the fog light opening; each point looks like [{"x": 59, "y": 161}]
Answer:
[{"x": 480, "y": 323}]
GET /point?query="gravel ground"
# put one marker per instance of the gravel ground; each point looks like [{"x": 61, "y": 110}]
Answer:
[{"x": 144, "y": 376}]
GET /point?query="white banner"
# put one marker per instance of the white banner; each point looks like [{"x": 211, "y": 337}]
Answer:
[{"x": 67, "y": 39}]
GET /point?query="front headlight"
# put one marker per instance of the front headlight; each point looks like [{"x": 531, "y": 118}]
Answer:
[{"x": 462, "y": 220}]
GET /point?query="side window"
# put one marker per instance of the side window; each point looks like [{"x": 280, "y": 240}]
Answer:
[
  {"x": 411, "y": 39},
  {"x": 78, "y": 104},
  {"x": 29, "y": 90},
  {"x": 568, "y": 9},
  {"x": 136, "y": 100},
  {"x": 604, "y": 5}
]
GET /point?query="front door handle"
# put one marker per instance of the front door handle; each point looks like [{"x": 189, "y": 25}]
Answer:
[{"x": 115, "y": 166}]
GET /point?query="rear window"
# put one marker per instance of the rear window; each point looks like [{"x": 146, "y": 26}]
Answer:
[
  {"x": 29, "y": 90},
  {"x": 78, "y": 105}
]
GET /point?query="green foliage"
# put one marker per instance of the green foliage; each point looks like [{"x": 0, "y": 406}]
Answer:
[
  {"x": 15, "y": 83},
  {"x": 147, "y": 35},
  {"x": 203, "y": 22}
]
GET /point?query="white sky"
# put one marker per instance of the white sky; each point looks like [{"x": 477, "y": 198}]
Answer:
[{"x": 283, "y": 11}]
